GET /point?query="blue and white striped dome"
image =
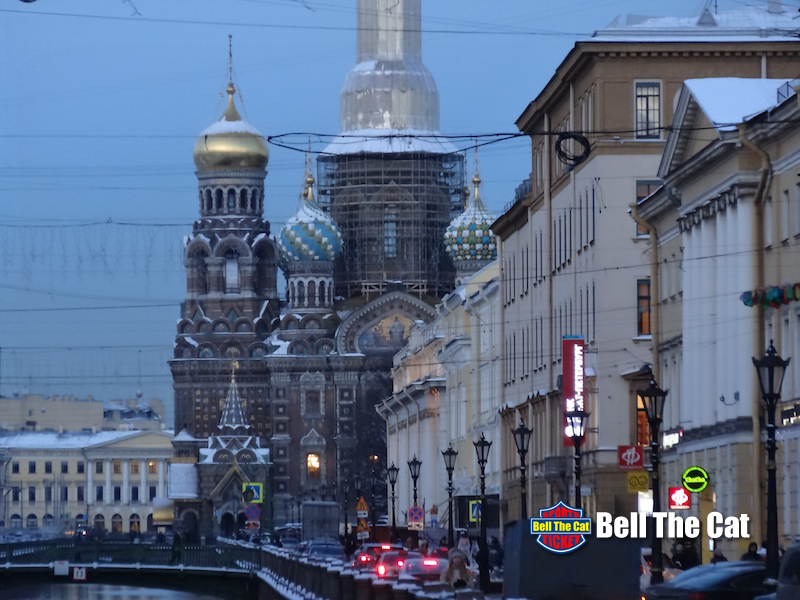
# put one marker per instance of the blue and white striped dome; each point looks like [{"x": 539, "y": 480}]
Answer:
[
  {"x": 310, "y": 234},
  {"x": 469, "y": 237}
]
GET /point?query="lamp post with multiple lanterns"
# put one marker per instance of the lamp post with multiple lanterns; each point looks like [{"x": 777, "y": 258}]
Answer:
[
  {"x": 653, "y": 400},
  {"x": 522, "y": 438},
  {"x": 482, "y": 447},
  {"x": 771, "y": 369},
  {"x": 449, "y": 456}
]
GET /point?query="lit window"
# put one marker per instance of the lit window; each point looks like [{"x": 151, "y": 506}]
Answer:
[
  {"x": 643, "y": 307},
  {"x": 642, "y": 428},
  {"x": 151, "y": 466},
  {"x": 117, "y": 467},
  {"x": 135, "y": 467},
  {"x": 648, "y": 110},
  {"x": 312, "y": 465}
]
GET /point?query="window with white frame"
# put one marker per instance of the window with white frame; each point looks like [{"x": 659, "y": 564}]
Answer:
[{"x": 647, "y": 109}]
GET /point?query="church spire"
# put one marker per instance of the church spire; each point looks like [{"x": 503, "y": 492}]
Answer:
[
  {"x": 389, "y": 29},
  {"x": 233, "y": 420}
]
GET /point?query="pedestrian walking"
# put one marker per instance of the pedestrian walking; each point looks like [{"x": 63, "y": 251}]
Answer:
[{"x": 177, "y": 549}]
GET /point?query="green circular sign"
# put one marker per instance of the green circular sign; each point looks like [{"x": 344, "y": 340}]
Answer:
[{"x": 695, "y": 479}]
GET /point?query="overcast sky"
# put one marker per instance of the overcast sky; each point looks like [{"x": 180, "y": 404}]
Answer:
[{"x": 100, "y": 105}]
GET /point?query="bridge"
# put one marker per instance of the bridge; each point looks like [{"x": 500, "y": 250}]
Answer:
[{"x": 229, "y": 569}]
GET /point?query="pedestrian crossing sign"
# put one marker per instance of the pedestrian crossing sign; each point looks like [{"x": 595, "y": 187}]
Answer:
[
  {"x": 474, "y": 511},
  {"x": 257, "y": 491}
]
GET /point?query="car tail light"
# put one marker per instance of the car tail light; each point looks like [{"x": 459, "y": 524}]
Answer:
[
  {"x": 364, "y": 558},
  {"x": 401, "y": 562},
  {"x": 430, "y": 562},
  {"x": 381, "y": 570},
  {"x": 385, "y": 547}
]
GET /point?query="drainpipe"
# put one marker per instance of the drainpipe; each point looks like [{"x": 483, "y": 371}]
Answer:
[
  {"x": 655, "y": 329},
  {"x": 758, "y": 344}
]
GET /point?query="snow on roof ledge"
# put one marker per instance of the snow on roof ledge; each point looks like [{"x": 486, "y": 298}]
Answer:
[
  {"x": 728, "y": 101},
  {"x": 389, "y": 141}
]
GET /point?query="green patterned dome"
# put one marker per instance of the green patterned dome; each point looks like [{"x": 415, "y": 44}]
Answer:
[
  {"x": 310, "y": 234},
  {"x": 469, "y": 237}
]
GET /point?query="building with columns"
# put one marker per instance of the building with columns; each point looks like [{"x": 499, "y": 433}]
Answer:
[
  {"x": 107, "y": 479},
  {"x": 723, "y": 249}
]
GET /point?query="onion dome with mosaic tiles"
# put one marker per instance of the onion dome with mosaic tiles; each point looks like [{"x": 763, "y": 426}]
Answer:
[
  {"x": 469, "y": 237},
  {"x": 310, "y": 235}
]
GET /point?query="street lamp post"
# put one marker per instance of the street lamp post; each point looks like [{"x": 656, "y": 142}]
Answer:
[
  {"x": 393, "y": 471},
  {"x": 413, "y": 465},
  {"x": 771, "y": 369},
  {"x": 345, "y": 500},
  {"x": 482, "y": 450},
  {"x": 576, "y": 425},
  {"x": 522, "y": 438},
  {"x": 653, "y": 399},
  {"x": 374, "y": 459},
  {"x": 450, "y": 464}
]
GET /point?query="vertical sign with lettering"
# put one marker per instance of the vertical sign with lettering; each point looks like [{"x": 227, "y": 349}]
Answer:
[{"x": 572, "y": 379}]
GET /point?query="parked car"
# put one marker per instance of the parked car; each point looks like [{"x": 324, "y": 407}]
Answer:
[
  {"x": 740, "y": 580},
  {"x": 325, "y": 549},
  {"x": 670, "y": 569},
  {"x": 366, "y": 556},
  {"x": 423, "y": 569},
  {"x": 391, "y": 562},
  {"x": 789, "y": 577},
  {"x": 290, "y": 543}
]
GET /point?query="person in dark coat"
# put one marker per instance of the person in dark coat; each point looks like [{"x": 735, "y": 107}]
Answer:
[
  {"x": 752, "y": 552},
  {"x": 177, "y": 549},
  {"x": 718, "y": 557}
]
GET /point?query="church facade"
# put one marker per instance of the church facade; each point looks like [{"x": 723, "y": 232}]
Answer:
[{"x": 362, "y": 263}]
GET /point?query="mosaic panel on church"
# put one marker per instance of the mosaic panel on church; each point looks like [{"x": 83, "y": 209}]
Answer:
[{"x": 388, "y": 335}]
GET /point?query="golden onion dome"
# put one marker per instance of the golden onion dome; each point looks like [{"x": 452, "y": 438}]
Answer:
[{"x": 230, "y": 143}]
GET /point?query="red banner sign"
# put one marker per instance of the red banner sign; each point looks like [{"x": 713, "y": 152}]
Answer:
[
  {"x": 572, "y": 364},
  {"x": 679, "y": 499},
  {"x": 630, "y": 458}
]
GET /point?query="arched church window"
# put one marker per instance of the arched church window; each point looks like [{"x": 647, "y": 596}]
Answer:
[
  {"x": 208, "y": 201},
  {"x": 301, "y": 293},
  {"x": 201, "y": 273},
  {"x": 323, "y": 300},
  {"x": 231, "y": 200},
  {"x": 390, "y": 233},
  {"x": 231, "y": 272},
  {"x": 312, "y": 465},
  {"x": 243, "y": 200},
  {"x": 218, "y": 200},
  {"x": 312, "y": 294}
]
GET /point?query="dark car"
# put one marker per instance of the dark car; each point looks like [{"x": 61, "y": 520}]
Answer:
[
  {"x": 391, "y": 561},
  {"x": 368, "y": 554},
  {"x": 723, "y": 581},
  {"x": 423, "y": 569},
  {"x": 326, "y": 549}
]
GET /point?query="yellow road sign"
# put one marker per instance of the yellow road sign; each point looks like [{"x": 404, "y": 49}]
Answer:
[{"x": 638, "y": 481}]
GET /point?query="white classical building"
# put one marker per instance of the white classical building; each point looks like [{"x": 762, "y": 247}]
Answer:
[
  {"x": 726, "y": 227},
  {"x": 107, "y": 479}
]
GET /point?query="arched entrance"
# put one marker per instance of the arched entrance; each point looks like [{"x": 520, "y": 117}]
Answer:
[
  {"x": 226, "y": 525},
  {"x": 241, "y": 522},
  {"x": 190, "y": 527}
]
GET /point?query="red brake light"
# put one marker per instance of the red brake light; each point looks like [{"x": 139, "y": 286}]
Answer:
[
  {"x": 430, "y": 562},
  {"x": 381, "y": 570},
  {"x": 386, "y": 547},
  {"x": 363, "y": 558},
  {"x": 401, "y": 562}
]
